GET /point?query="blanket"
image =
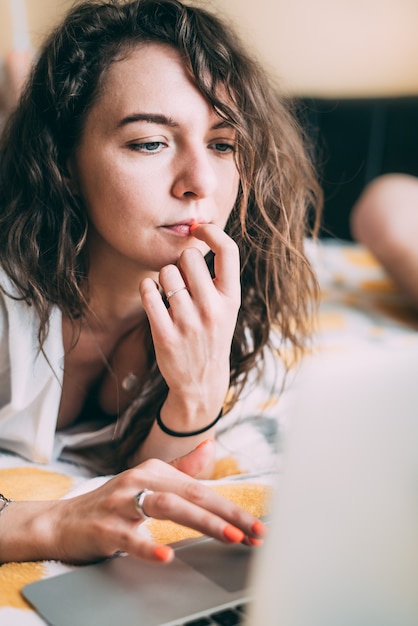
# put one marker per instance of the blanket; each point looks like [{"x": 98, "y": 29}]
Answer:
[{"x": 360, "y": 309}]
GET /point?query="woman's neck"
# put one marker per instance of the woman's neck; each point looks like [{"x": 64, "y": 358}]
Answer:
[{"x": 114, "y": 303}]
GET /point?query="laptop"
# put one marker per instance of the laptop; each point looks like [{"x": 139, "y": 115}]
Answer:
[{"x": 342, "y": 548}]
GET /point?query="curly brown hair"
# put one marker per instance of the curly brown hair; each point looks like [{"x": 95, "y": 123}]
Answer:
[{"x": 43, "y": 225}]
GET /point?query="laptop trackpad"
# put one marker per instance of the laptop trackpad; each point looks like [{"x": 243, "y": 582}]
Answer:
[
  {"x": 129, "y": 591},
  {"x": 209, "y": 558}
]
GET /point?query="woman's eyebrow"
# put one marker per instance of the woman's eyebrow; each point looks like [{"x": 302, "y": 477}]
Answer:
[
  {"x": 152, "y": 118},
  {"x": 164, "y": 120},
  {"x": 222, "y": 124}
]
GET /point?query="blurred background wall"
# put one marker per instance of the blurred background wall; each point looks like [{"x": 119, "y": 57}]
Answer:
[
  {"x": 41, "y": 15},
  {"x": 317, "y": 47}
]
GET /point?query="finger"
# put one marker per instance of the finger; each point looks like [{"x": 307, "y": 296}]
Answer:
[
  {"x": 163, "y": 320},
  {"x": 151, "y": 297},
  {"x": 170, "y": 506},
  {"x": 206, "y": 499},
  {"x": 174, "y": 285},
  {"x": 136, "y": 545},
  {"x": 227, "y": 262},
  {"x": 149, "y": 551},
  {"x": 195, "y": 461},
  {"x": 160, "y": 321},
  {"x": 194, "y": 270}
]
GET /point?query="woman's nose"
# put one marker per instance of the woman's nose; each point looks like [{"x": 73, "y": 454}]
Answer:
[{"x": 194, "y": 174}]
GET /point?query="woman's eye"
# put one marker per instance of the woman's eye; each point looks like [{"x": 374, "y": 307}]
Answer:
[
  {"x": 223, "y": 148},
  {"x": 147, "y": 146}
]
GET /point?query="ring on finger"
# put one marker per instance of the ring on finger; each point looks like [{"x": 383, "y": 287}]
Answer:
[
  {"x": 171, "y": 293},
  {"x": 139, "y": 502}
]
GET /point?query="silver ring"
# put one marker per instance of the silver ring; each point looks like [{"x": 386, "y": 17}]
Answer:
[
  {"x": 139, "y": 502},
  {"x": 171, "y": 293}
]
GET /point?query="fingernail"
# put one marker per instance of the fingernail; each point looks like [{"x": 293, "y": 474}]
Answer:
[
  {"x": 255, "y": 542},
  {"x": 163, "y": 553},
  {"x": 259, "y": 528},
  {"x": 233, "y": 534},
  {"x": 203, "y": 443}
]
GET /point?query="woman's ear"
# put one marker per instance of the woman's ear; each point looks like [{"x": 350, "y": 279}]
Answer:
[{"x": 70, "y": 177}]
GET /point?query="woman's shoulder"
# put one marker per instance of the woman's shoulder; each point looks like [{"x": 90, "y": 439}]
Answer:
[
  {"x": 8, "y": 289},
  {"x": 10, "y": 300},
  {"x": 8, "y": 293},
  {"x": 15, "y": 312}
]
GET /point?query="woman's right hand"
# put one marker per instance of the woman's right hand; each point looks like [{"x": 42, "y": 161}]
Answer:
[
  {"x": 192, "y": 337},
  {"x": 97, "y": 524}
]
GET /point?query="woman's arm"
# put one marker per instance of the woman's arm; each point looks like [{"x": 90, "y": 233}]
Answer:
[
  {"x": 192, "y": 340},
  {"x": 97, "y": 524}
]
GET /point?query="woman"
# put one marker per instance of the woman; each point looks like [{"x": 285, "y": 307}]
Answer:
[{"x": 154, "y": 199}]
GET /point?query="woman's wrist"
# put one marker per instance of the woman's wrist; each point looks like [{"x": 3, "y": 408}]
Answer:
[
  {"x": 4, "y": 503},
  {"x": 188, "y": 433},
  {"x": 27, "y": 530}
]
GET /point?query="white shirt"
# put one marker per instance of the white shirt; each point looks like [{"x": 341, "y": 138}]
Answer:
[{"x": 30, "y": 384}]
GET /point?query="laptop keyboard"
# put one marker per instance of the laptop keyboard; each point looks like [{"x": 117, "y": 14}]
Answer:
[{"x": 227, "y": 617}]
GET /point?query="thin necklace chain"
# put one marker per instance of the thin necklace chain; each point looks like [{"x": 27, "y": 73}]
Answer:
[{"x": 113, "y": 375}]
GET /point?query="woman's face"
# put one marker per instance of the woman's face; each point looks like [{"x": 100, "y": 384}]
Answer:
[{"x": 153, "y": 159}]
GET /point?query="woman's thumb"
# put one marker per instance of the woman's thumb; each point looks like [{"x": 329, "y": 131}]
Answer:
[{"x": 197, "y": 460}]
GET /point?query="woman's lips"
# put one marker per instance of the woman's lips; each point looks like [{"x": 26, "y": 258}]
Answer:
[{"x": 181, "y": 230}]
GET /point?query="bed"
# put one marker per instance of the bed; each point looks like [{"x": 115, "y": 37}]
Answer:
[{"x": 360, "y": 309}]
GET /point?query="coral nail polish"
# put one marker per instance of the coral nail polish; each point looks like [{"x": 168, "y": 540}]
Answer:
[
  {"x": 259, "y": 528},
  {"x": 255, "y": 542},
  {"x": 204, "y": 443},
  {"x": 163, "y": 553},
  {"x": 233, "y": 534}
]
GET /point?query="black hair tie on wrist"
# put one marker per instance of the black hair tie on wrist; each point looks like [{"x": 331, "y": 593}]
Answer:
[{"x": 174, "y": 433}]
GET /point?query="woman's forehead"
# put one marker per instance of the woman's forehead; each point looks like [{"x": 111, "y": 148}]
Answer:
[
  {"x": 154, "y": 73},
  {"x": 151, "y": 79}
]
